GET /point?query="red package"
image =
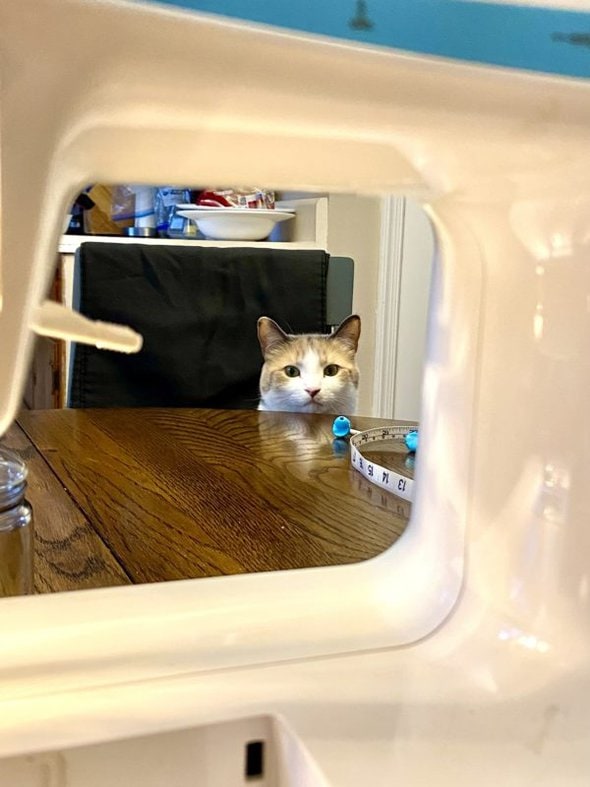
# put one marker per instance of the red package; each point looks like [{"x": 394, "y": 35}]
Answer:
[{"x": 237, "y": 198}]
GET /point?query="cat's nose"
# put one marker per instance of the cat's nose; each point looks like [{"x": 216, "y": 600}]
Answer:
[{"x": 312, "y": 391}]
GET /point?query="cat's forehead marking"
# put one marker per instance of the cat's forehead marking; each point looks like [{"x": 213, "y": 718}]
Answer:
[
  {"x": 317, "y": 349},
  {"x": 311, "y": 360}
]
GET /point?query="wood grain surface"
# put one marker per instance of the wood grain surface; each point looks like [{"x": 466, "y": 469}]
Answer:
[
  {"x": 150, "y": 495},
  {"x": 69, "y": 553}
]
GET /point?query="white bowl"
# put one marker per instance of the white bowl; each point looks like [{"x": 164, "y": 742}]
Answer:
[{"x": 235, "y": 223}]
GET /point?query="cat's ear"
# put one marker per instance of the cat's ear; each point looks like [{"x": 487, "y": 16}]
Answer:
[
  {"x": 270, "y": 335},
  {"x": 349, "y": 331}
]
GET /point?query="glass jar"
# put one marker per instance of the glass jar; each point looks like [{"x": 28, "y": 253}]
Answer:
[{"x": 16, "y": 527}]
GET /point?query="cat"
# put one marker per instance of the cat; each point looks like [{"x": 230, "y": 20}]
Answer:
[{"x": 309, "y": 373}]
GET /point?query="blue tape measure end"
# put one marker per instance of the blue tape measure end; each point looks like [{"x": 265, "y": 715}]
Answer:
[{"x": 411, "y": 441}]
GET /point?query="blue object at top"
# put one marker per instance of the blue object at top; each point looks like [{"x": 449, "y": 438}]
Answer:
[
  {"x": 533, "y": 38},
  {"x": 341, "y": 426}
]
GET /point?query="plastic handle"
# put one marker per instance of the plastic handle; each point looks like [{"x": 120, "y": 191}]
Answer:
[{"x": 59, "y": 322}]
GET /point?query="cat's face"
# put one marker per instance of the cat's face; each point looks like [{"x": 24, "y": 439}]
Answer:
[{"x": 309, "y": 373}]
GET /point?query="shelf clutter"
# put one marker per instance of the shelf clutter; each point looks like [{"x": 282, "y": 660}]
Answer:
[{"x": 132, "y": 214}]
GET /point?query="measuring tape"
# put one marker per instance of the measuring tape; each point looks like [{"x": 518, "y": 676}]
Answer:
[{"x": 394, "y": 482}]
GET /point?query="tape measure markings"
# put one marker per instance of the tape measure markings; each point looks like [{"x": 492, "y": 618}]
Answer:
[{"x": 396, "y": 483}]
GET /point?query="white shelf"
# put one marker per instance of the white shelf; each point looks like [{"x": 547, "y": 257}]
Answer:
[
  {"x": 309, "y": 230},
  {"x": 70, "y": 243}
]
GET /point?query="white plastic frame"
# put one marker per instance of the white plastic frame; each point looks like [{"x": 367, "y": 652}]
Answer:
[{"x": 118, "y": 93}]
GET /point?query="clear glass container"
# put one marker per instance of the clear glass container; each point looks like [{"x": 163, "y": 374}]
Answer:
[{"x": 16, "y": 527}]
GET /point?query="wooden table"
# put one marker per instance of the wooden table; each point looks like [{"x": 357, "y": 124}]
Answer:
[{"x": 132, "y": 496}]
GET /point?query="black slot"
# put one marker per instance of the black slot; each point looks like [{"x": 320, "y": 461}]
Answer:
[{"x": 254, "y": 765}]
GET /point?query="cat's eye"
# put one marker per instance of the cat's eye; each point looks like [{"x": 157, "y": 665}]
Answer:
[
  {"x": 291, "y": 371},
  {"x": 331, "y": 370}
]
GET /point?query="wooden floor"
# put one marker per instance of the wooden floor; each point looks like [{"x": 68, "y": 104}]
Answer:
[{"x": 124, "y": 496}]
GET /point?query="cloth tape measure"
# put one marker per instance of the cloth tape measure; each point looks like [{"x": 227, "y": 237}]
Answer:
[{"x": 396, "y": 483}]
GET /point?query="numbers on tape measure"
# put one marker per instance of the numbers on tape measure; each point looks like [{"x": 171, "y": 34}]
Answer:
[{"x": 400, "y": 485}]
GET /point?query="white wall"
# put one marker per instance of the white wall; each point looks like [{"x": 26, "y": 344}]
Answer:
[
  {"x": 354, "y": 225},
  {"x": 406, "y": 248},
  {"x": 416, "y": 269}
]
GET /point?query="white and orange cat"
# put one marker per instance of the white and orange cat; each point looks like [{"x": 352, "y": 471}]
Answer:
[{"x": 309, "y": 373}]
